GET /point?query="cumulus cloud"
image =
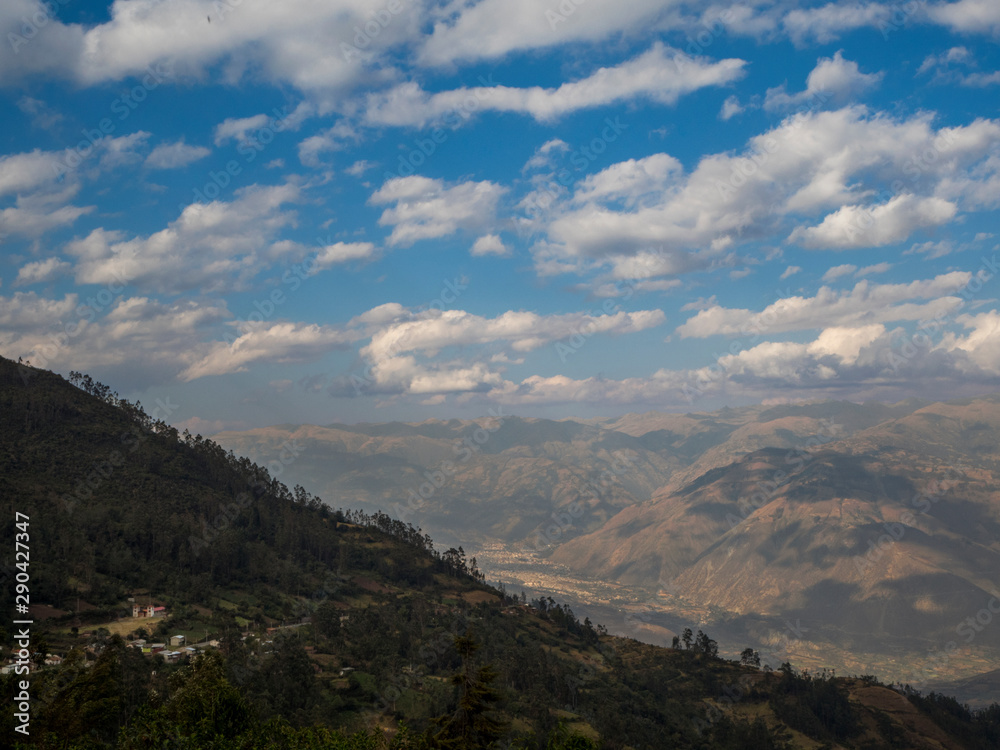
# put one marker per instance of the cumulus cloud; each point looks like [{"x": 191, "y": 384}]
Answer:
[
  {"x": 335, "y": 138},
  {"x": 35, "y": 213},
  {"x": 873, "y": 226},
  {"x": 342, "y": 252},
  {"x": 307, "y": 45},
  {"x": 834, "y": 79},
  {"x": 820, "y": 164},
  {"x": 41, "y": 271},
  {"x": 426, "y": 208},
  {"x": 971, "y": 16},
  {"x": 854, "y": 361},
  {"x": 952, "y": 55},
  {"x": 359, "y": 167},
  {"x": 837, "y": 271},
  {"x": 633, "y": 182},
  {"x": 957, "y": 65},
  {"x": 273, "y": 342},
  {"x": 790, "y": 271},
  {"x": 237, "y": 128},
  {"x": 661, "y": 74},
  {"x": 210, "y": 246},
  {"x": 981, "y": 344},
  {"x": 493, "y": 28},
  {"x": 489, "y": 244},
  {"x": 543, "y": 154},
  {"x": 26, "y": 311},
  {"x": 864, "y": 304},
  {"x": 873, "y": 269},
  {"x": 826, "y": 23},
  {"x": 405, "y": 354},
  {"x": 175, "y": 155},
  {"x": 730, "y": 108},
  {"x": 143, "y": 341},
  {"x": 27, "y": 171}
]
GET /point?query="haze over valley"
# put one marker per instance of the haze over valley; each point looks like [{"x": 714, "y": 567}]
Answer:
[{"x": 868, "y": 525}]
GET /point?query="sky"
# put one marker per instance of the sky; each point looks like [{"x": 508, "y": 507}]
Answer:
[{"x": 244, "y": 213}]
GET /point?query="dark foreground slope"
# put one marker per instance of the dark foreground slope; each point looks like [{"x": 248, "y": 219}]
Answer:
[{"x": 332, "y": 623}]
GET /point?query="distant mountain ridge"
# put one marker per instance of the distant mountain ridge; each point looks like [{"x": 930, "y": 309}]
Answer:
[
  {"x": 529, "y": 468},
  {"x": 877, "y": 523}
]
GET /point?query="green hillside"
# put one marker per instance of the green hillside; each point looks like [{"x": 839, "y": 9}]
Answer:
[{"x": 339, "y": 629}]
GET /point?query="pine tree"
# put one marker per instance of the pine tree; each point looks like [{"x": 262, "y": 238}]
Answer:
[{"x": 472, "y": 724}]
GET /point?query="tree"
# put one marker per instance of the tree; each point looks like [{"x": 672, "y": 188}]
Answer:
[
  {"x": 750, "y": 658},
  {"x": 705, "y": 645},
  {"x": 41, "y": 651},
  {"x": 686, "y": 636},
  {"x": 562, "y": 739},
  {"x": 327, "y": 619},
  {"x": 472, "y": 724}
]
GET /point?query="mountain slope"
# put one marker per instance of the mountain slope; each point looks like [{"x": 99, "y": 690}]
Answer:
[
  {"x": 498, "y": 478},
  {"x": 884, "y": 540}
]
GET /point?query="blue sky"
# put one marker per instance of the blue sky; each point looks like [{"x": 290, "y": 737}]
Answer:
[{"x": 365, "y": 211}]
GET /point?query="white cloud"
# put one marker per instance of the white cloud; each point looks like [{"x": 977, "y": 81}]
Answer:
[
  {"x": 954, "y": 54},
  {"x": 42, "y": 115},
  {"x": 26, "y": 311},
  {"x": 342, "y": 252},
  {"x": 981, "y": 80},
  {"x": 857, "y": 361},
  {"x": 237, "y": 128},
  {"x": 210, "y": 246},
  {"x": 359, "y": 167},
  {"x": 425, "y": 208},
  {"x": 863, "y": 305},
  {"x": 175, "y": 155},
  {"x": 53, "y": 51},
  {"x": 405, "y": 354},
  {"x": 142, "y": 341},
  {"x": 308, "y": 45},
  {"x": 661, "y": 74},
  {"x": 873, "y": 226},
  {"x": 811, "y": 164},
  {"x": 273, "y": 342},
  {"x": 834, "y": 79},
  {"x": 33, "y": 214},
  {"x": 633, "y": 182},
  {"x": 957, "y": 66},
  {"x": 335, "y": 138},
  {"x": 730, "y": 108},
  {"x": 122, "y": 151},
  {"x": 982, "y": 344},
  {"x": 489, "y": 244},
  {"x": 790, "y": 271},
  {"x": 871, "y": 270},
  {"x": 975, "y": 16},
  {"x": 41, "y": 271},
  {"x": 493, "y": 28},
  {"x": 825, "y": 23},
  {"x": 543, "y": 154},
  {"x": 27, "y": 171},
  {"x": 837, "y": 271}
]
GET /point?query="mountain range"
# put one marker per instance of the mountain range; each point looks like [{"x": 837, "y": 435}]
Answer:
[{"x": 874, "y": 526}]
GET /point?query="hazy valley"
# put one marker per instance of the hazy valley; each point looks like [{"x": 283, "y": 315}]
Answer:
[{"x": 857, "y": 537}]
